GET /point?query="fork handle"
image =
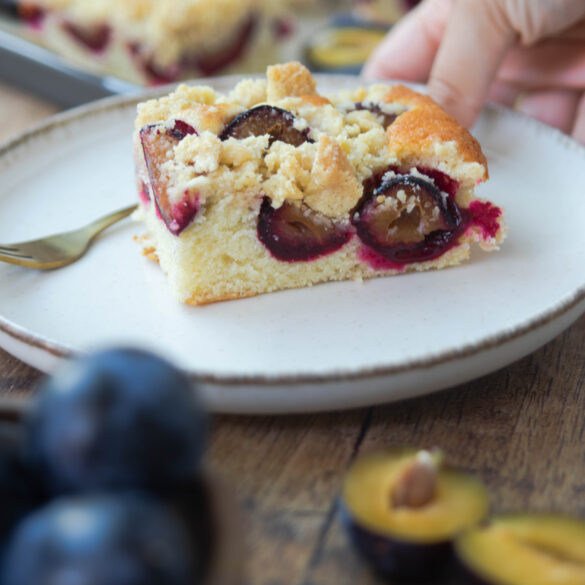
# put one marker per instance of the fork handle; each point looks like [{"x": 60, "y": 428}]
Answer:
[{"x": 99, "y": 225}]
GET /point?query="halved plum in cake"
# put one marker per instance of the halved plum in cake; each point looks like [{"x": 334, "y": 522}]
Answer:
[{"x": 274, "y": 186}]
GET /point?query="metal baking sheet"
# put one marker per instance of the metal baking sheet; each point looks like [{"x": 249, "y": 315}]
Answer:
[{"x": 35, "y": 69}]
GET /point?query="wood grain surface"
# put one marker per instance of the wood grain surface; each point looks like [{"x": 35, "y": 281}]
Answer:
[{"x": 521, "y": 429}]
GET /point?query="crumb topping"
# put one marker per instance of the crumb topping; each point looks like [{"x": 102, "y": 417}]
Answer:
[
  {"x": 289, "y": 80},
  {"x": 345, "y": 145}
]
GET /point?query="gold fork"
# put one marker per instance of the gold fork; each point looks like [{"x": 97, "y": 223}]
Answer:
[{"x": 60, "y": 249}]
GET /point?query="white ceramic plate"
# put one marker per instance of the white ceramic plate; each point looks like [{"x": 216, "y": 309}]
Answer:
[{"x": 331, "y": 346}]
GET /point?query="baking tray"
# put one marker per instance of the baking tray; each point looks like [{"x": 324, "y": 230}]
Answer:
[{"x": 46, "y": 74}]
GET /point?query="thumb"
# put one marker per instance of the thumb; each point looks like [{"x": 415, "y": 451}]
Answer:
[
  {"x": 535, "y": 21},
  {"x": 478, "y": 36},
  {"x": 476, "y": 40}
]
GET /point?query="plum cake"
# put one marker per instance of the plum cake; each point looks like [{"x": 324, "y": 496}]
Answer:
[
  {"x": 150, "y": 41},
  {"x": 275, "y": 186}
]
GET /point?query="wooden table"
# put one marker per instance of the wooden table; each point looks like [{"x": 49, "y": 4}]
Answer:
[{"x": 521, "y": 429}]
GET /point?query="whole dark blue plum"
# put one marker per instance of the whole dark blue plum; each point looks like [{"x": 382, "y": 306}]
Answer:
[
  {"x": 192, "y": 502},
  {"x": 123, "y": 539},
  {"x": 20, "y": 490},
  {"x": 121, "y": 418}
]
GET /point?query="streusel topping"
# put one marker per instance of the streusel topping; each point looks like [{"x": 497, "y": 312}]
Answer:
[{"x": 347, "y": 140}]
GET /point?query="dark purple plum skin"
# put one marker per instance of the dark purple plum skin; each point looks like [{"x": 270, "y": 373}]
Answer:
[
  {"x": 399, "y": 560},
  {"x": 271, "y": 233},
  {"x": 131, "y": 409},
  {"x": 276, "y": 122},
  {"x": 192, "y": 502},
  {"x": 434, "y": 244},
  {"x": 176, "y": 217},
  {"x": 126, "y": 538}
]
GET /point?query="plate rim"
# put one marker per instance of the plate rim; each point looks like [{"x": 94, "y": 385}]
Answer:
[{"x": 62, "y": 351}]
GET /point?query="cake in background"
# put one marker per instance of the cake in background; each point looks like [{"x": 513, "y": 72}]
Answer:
[{"x": 150, "y": 42}]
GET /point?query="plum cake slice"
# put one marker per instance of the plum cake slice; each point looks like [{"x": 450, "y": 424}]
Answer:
[{"x": 274, "y": 186}]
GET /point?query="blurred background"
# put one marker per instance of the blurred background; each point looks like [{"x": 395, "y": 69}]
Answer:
[{"x": 70, "y": 52}]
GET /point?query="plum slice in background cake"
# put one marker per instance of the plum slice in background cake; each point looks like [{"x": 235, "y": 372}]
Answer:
[{"x": 274, "y": 186}]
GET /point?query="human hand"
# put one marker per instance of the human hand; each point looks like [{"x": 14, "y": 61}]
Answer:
[{"x": 526, "y": 53}]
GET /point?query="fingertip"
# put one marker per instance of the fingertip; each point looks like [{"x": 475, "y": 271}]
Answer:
[
  {"x": 465, "y": 108},
  {"x": 475, "y": 42},
  {"x": 372, "y": 70},
  {"x": 408, "y": 50}
]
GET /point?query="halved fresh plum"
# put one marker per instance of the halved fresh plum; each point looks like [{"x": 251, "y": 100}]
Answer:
[
  {"x": 296, "y": 233},
  {"x": 95, "y": 38},
  {"x": 387, "y": 118},
  {"x": 523, "y": 549},
  {"x": 402, "y": 508},
  {"x": 261, "y": 120},
  {"x": 407, "y": 219},
  {"x": 156, "y": 141}
]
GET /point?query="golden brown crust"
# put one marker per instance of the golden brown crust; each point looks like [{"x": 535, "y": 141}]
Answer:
[
  {"x": 407, "y": 96},
  {"x": 426, "y": 124},
  {"x": 198, "y": 300},
  {"x": 148, "y": 250},
  {"x": 315, "y": 100},
  {"x": 334, "y": 189},
  {"x": 289, "y": 80}
]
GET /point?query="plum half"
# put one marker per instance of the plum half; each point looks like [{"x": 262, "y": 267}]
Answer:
[
  {"x": 407, "y": 219},
  {"x": 402, "y": 510},
  {"x": 294, "y": 233},
  {"x": 523, "y": 549},
  {"x": 156, "y": 141},
  {"x": 279, "y": 124}
]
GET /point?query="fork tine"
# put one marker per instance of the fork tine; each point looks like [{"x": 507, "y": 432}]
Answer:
[
  {"x": 15, "y": 254},
  {"x": 8, "y": 249}
]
